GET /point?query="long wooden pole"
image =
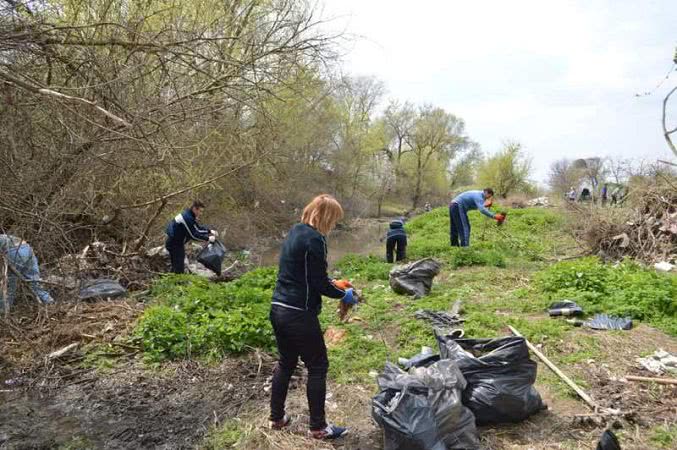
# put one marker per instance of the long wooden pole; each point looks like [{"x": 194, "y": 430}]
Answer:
[
  {"x": 581, "y": 393},
  {"x": 652, "y": 380}
]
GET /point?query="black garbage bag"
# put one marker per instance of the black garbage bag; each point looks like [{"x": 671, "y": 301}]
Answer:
[
  {"x": 212, "y": 256},
  {"x": 608, "y": 441},
  {"x": 606, "y": 322},
  {"x": 565, "y": 308},
  {"x": 500, "y": 378},
  {"x": 101, "y": 288},
  {"x": 423, "y": 410},
  {"x": 415, "y": 278}
]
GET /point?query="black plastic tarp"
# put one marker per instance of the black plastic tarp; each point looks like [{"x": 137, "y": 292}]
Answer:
[
  {"x": 423, "y": 410},
  {"x": 500, "y": 377},
  {"x": 100, "y": 289}
]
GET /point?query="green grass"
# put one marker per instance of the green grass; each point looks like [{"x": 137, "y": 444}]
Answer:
[
  {"x": 664, "y": 436},
  {"x": 227, "y": 436}
]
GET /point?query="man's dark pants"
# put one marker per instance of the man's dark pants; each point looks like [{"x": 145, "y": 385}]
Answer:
[
  {"x": 393, "y": 244},
  {"x": 298, "y": 333},
  {"x": 177, "y": 255},
  {"x": 459, "y": 226}
]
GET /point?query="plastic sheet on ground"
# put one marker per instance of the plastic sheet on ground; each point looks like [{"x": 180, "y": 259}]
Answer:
[
  {"x": 100, "y": 289},
  {"x": 423, "y": 410},
  {"x": 606, "y": 322},
  {"x": 500, "y": 378},
  {"x": 415, "y": 278},
  {"x": 212, "y": 256}
]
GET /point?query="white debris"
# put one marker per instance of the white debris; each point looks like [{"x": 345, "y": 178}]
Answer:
[
  {"x": 660, "y": 362},
  {"x": 664, "y": 266},
  {"x": 62, "y": 351}
]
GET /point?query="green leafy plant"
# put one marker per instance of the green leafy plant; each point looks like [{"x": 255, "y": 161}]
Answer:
[
  {"x": 364, "y": 267},
  {"x": 192, "y": 317}
]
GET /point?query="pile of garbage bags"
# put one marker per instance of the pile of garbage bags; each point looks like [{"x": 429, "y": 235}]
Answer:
[{"x": 438, "y": 403}]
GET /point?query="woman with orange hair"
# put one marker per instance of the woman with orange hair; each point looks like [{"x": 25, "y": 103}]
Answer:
[{"x": 301, "y": 282}]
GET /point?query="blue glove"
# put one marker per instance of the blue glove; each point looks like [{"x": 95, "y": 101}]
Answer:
[{"x": 350, "y": 298}]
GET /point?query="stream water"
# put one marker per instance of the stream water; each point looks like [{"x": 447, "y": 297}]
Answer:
[{"x": 363, "y": 237}]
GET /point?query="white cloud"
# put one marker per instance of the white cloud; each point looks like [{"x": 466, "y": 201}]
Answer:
[{"x": 558, "y": 76}]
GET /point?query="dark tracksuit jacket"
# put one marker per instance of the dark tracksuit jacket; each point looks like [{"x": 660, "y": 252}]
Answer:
[
  {"x": 396, "y": 239},
  {"x": 302, "y": 280},
  {"x": 180, "y": 230}
]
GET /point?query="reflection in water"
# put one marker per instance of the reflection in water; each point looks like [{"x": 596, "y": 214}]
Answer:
[{"x": 362, "y": 238}]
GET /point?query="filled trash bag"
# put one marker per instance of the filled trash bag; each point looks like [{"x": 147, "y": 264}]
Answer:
[
  {"x": 212, "y": 256},
  {"x": 101, "y": 288},
  {"x": 606, "y": 322},
  {"x": 500, "y": 378},
  {"x": 423, "y": 410},
  {"x": 415, "y": 278},
  {"x": 565, "y": 308},
  {"x": 608, "y": 441}
]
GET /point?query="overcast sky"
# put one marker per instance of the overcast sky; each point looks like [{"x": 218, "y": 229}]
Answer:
[{"x": 558, "y": 76}]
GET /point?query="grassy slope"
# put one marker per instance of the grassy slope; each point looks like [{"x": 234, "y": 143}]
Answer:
[{"x": 494, "y": 279}]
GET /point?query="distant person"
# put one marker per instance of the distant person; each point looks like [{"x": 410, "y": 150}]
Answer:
[
  {"x": 603, "y": 194},
  {"x": 20, "y": 256},
  {"x": 182, "y": 229},
  {"x": 571, "y": 195},
  {"x": 396, "y": 241},
  {"x": 302, "y": 280},
  {"x": 459, "y": 225}
]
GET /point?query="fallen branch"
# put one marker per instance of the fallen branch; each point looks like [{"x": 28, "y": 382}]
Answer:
[
  {"x": 652, "y": 379},
  {"x": 581, "y": 393}
]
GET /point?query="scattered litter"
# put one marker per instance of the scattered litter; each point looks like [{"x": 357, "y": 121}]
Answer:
[
  {"x": 415, "y": 278},
  {"x": 539, "y": 201},
  {"x": 660, "y": 362},
  {"x": 373, "y": 373},
  {"x": 423, "y": 359},
  {"x": 500, "y": 381},
  {"x": 101, "y": 288},
  {"x": 334, "y": 336},
  {"x": 608, "y": 441},
  {"x": 664, "y": 266},
  {"x": 212, "y": 256},
  {"x": 606, "y": 322},
  {"x": 423, "y": 410},
  {"x": 565, "y": 308}
]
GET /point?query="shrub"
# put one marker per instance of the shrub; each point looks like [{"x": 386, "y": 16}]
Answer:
[{"x": 193, "y": 317}]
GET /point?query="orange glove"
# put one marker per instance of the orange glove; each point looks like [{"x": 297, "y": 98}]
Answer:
[
  {"x": 342, "y": 284},
  {"x": 499, "y": 217}
]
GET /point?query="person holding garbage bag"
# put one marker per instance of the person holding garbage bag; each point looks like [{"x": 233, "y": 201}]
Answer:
[
  {"x": 297, "y": 300},
  {"x": 458, "y": 214},
  {"x": 184, "y": 228}
]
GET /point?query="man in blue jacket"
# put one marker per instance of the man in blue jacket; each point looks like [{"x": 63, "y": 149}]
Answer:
[
  {"x": 458, "y": 214},
  {"x": 396, "y": 241},
  {"x": 182, "y": 229}
]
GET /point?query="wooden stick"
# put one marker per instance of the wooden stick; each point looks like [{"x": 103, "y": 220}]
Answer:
[
  {"x": 558, "y": 372},
  {"x": 652, "y": 380}
]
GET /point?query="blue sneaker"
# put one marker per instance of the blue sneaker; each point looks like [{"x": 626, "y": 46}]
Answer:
[{"x": 331, "y": 432}]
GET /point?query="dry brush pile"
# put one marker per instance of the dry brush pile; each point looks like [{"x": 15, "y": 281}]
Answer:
[{"x": 645, "y": 230}]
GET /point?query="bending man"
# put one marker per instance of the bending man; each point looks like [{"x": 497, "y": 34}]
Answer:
[
  {"x": 182, "y": 229},
  {"x": 459, "y": 229}
]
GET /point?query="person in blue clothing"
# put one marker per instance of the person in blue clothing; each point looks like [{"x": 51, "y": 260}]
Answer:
[
  {"x": 302, "y": 280},
  {"x": 182, "y": 229},
  {"x": 459, "y": 225},
  {"x": 396, "y": 241},
  {"x": 19, "y": 254}
]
